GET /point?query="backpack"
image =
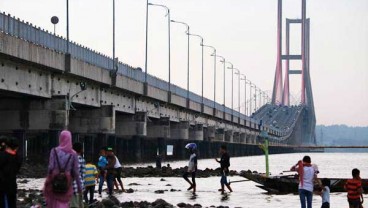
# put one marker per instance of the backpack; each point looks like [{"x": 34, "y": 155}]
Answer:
[{"x": 60, "y": 184}]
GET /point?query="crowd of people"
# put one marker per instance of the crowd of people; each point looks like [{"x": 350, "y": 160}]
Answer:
[{"x": 71, "y": 180}]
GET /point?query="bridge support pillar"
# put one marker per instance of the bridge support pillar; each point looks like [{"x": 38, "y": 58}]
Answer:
[
  {"x": 229, "y": 136},
  {"x": 180, "y": 130},
  {"x": 197, "y": 132},
  {"x": 242, "y": 137},
  {"x": 220, "y": 134},
  {"x": 211, "y": 133},
  {"x": 236, "y": 137},
  {"x": 99, "y": 120},
  {"x": 159, "y": 128},
  {"x": 131, "y": 125}
]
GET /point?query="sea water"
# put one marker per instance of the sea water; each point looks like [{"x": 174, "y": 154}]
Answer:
[{"x": 246, "y": 194}]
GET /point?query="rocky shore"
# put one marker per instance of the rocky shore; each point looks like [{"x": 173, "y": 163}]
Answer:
[
  {"x": 39, "y": 171},
  {"x": 34, "y": 199}
]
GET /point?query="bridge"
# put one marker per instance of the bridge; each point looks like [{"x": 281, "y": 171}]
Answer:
[{"x": 48, "y": 84}]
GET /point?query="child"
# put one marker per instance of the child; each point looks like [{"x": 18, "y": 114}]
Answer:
[
  {"x": 90, "y": 182},
  {"x": 102, "y": 163},
  {"x": 325, "y": 193},
  {"x": 192, "y": 166},
  {"x": 354, "y": 189}
]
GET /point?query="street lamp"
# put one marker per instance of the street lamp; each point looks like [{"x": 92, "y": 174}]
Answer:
[
  {"x": 238, "y": 73},
  {"x": 67, "y": 26},
  {"x": 224, "y": 62},
  {"x": 202, "y": 60},
  {"x": 245, "y": 93},
  {"x": 214, "y": 74},
  {"x": 232, "y": 88},
  {"x": 187, "y": 32},
  {"x": 169, "y": 36},
  {"x": 255, "y": 98}
]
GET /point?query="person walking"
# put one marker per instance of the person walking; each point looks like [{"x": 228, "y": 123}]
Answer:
[
  {"x": 77, "y": 200},
  {"x": 10, "y": 163},
  {"x": 224, "y": 165},
  {"x": 118, "y": 170},
  {"x": 62, "y": 170},
  {"x": 354, "y": 188},
  {"x": 192, "y": 166},
  {"x": 90, "y": 182},
  {"x": 102, "y": 163},
  {"x": 307, "y": 175},
  {"x": 110, "y": 168}
]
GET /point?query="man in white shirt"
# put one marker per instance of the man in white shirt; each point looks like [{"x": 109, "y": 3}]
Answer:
[{"x": 192, "y": 166}]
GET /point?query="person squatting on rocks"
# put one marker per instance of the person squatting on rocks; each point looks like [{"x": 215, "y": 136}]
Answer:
[
  {"x": 110, "y": 168},
  {"x": 324, "y": 192},
  {"x": 77, "y": 200},
  {"x": 192, "y": 167},
  {"x": 354, "y": 188},
  {"x": 307, "y": 176},
  {"x": 224, "y": 164},
  {"x": 62, "y": 170},
  {"x": 91, "y": 174},
  {"x": 102, "y": 163},
  {"x": 10, "y": 162}
]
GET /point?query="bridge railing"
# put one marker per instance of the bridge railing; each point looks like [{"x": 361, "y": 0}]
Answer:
[{"x": 36, "y": 35}]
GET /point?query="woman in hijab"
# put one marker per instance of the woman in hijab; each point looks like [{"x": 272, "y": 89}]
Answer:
[{"x": 68, "y": 159}]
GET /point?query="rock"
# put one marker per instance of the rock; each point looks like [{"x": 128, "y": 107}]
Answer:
[
  {"x": 173, "y": 190},
  {"x": 23, "y": 181},
  {"x": 162, "y": 179},
  {"x": 127, "y": 204},
  {"x": 168, "y": 184},
  {"x": 181, "y": 204},
  {"x": 134, "y": 184},
  {"x": 129, "y": 191},
  {"x": 197, "y": 205},
  {"x": 160, "y": 203},
  {"x": 115, "y": 200},
  {"x": 108, "y": 202},
  {"x": 159, "y": 191}
]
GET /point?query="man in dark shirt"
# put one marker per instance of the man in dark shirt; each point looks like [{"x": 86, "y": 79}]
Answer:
[
  {"x": 10, "y": 163},
  {"x": 225, "y": 164}
]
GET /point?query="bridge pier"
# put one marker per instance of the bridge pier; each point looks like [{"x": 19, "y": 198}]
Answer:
[
  {"x": 229, "y": 135},
  {"x": 211, "y": 133},
  {"x": 159, "y": 128},
  {"x": 131, "y": 125},
  {"x": 197, "y": 132},
  {"x": 180, "y": 130},
  {"x": 98, "y": 120}
]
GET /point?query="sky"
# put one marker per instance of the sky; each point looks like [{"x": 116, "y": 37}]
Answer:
[{"x": 243, "y": 31}]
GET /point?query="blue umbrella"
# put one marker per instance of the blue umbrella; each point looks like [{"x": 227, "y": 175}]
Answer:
[{"x": 191, "y": 146}]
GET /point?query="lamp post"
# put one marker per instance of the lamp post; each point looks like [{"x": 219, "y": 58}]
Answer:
[
  {"x": 202, "y": 61},
  {"x": 224, "y": 62},
  {"x": 145, "y": 64},
  {"x": 169, "y": 37},
  {"x": 238, "y": 73},
  {"x": 250, "y": 97},
  {"x": 187, "y": 32},
  {"x": 214, "y": 74},
  {"x": 232, "y": 88},
  {"x": 67, "y": 26},
  {"x": 245, "y": 93},
  {"x": 255, "y": 98}
]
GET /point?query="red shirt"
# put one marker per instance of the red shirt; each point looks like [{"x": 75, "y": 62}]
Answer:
[{"x": 353, "y": 186}]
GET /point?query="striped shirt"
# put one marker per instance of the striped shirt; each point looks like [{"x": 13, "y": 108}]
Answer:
[
  {"x": 82, "y": 167},
  {"x": 90, "y": 175},
  {"x": 353, "y": 186}
]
